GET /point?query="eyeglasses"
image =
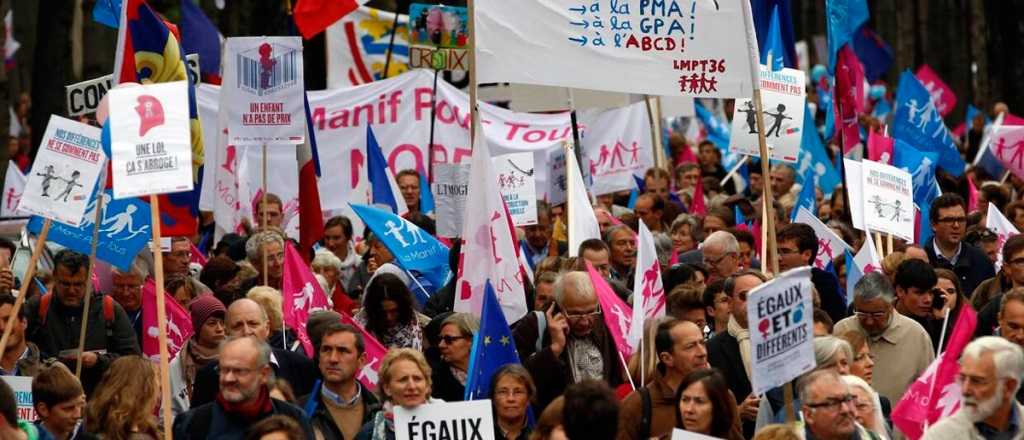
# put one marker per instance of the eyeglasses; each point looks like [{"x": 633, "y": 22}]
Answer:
[
  {"x": 716, "y": 261},
  {"x": 953, "y": 220},
  {"x": 224, "y": 371},
  {"x": 877, "y": 316},
  {"x": 447, "y": 339},
  {"x": 833, "y": 403},
  {"x": 581, "y": 316}
]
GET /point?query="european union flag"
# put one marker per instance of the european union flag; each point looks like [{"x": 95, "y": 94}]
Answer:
[
  {"x": 414, "y": 249},
  {"x": 493, "y": 347}
]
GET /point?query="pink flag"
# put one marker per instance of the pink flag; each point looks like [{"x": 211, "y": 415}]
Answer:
[
  {"x": 179, "y": 323},
  {"x": 880, "y": 148},
  {"x": 1008, "y": 146},
  {"x": 197, "y": 255},
  {"x": 375, "y": 352},
  {"x": 972, "y": 195},
  {"x": 648, "y": 291},
  {"x": 996, "y": 222},
  {"x": 686, "y": 156},
  {"x": 849, "y": 97},
  {"x": 697, "y": 206},
  {"x": 617, "y": 315},
  {"x": 301, "y": 294},
  {"x": 936, "y": 394},
  {"x": 942, "y": 94}
]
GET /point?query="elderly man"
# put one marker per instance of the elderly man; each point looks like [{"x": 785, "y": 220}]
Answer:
[
  {"x": 721, "y": 255},
  {"x": 990, "y": 373},
  {"x": 622, "y": 242},
  {"x": 576, "y": 345},
  {"x": 126, "y": 289},
  {"x": 176, "y": 262},
  {"x": 340, "y": 406},
  {"x": 901, "y": 347},
  {"x": 827, "y": 406},
  {"x": 245, "y": 317},
  {"x": 680, "y": 350},
  {"x": 729, "y": 351},
  {"x": 243, "y": 399},
  {"x": 55, "y": 322},
  {"x": 783, "y": 182},
  {"x": 271, "y": 244}
]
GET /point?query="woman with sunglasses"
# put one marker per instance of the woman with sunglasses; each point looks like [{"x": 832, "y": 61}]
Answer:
[{"x": 454, "y": 343}]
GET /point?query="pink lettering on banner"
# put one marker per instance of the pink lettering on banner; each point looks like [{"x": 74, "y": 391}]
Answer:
[
  {"x": 942, "y": 95},
  {"x": 357, "y": 161},
  {"x": 405, "y": 148}
]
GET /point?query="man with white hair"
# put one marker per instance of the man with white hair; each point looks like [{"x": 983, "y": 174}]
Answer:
[
  {"x": 990, "y": 373},
  {"x": 721, "y": 255}
]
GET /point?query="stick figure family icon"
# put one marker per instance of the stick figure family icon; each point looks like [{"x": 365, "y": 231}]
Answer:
[
  {"x": 70, "y": 183},
  {"x": 894, "y": 211}
]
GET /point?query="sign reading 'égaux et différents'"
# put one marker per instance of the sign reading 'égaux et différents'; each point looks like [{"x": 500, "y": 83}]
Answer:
[
  {"x": 779, "y": 315},
  {"x": 470, "y": 420}
]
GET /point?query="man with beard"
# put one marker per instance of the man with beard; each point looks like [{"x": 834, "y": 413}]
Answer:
[
  {"x": 990, "y": 372},
  {"x": 243, "y": 399}
]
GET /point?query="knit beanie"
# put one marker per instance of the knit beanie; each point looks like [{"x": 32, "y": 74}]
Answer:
[{"x": 203, "y": 308}]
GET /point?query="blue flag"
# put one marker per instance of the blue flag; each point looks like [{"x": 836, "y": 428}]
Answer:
[
  {"x": 200, "y": 36},
  {"x": 107, "y": 12},
  {"x": 763, "y": 12},
  {"x": 413, "y": 248},
  {"x": 813, "y": 158},
  {"x": 124, "y": 230},
  {"x": 873, "y": 52},
  {"x": 718, "y": 131},
  {"x": 921, "y": 165},
  {"x": 806, "y": 199},
  {"x": 917, "y": 122},
  {"x": 426, "y": 195},
  {"x": 853, "y": 275},
  {"x": 493, "y": 347},
  {"x": 842, "y": 19},
  {"x": 377, "y": 171},
  {"x": 772, "y": 49}
]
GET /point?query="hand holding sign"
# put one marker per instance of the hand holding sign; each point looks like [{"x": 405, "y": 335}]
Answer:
[{"x": 470, "y": 420}]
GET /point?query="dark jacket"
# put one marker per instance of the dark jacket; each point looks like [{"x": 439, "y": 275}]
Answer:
[
  {"x": 209, "y": 421},
  {"x": 552, "y": 374},
  {"x": 320, "y": 417},
  {"x": 295, "y": 368},
  {"x": 279, "y": 338},
  {"x": 988, "y": 290},
  {"x": 972, "y": 267},
  {"x": 827, "y": 286},
  {"x": 724, "y": 355},
  {"x": 62, "y": 330},
  {"x": 441, "y": 301},
  {"x": 444, "y": 385},
  {"x": 988, "y": 317}
]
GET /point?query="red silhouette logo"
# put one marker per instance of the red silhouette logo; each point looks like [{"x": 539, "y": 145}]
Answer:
[
  {"x": 151, "y": 113},
  {"x": 267, "y": 63}
]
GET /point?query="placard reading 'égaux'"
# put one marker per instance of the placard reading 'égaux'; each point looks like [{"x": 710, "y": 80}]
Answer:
[
  {"x": 263, "y": 90},
  {"x": 150, "y": 139},
  {"x": 62, "y": 178},
  {"x": 470, "y": 420},
  {"x": 779, "y": 315},
  {"x": 518, "y": 188}
]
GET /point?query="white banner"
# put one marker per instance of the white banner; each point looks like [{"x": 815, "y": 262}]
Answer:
[
  {"x": 264, "y": 87},
  {"x": 357, "y": 47},
  {"x": 150, "y": 139},
  {"x": 830, "y": 245},
  {"x": 14, "y": 187},
  {"x": 64, "y": 174},
  {"x": 616, "y": 146},
  {"x": 515, "y": 181},
  {"x": 450, "y": 187},
  {"x": 657, "y": 47},
  {"x": 471, "y": 420},
  {"x": 779, "y": 314},
  {"x": 888, "y": 195},
  {"x": 783, "y": 94}
]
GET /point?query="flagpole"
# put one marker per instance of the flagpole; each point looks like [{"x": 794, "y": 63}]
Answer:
[
  {"x": 263, "y": 211},
  {"x": 625, "y": 367},
  {"x": 655, "y": 135},
  {"x": 88, "y": 285},
  {"x": 471, "y": 29},
  {"x": 391, "y": 41},
  {"x": 878, "y": 245},
  {"x": 433, "y": 121},
  {"x": 942, "y": 340},
  {"x": 26, "y": 281},
  {"x": 768, "y": 227},
  {"x": 568, "y": 196},
  {"x": 734, "y": 170},
  {"x": 161, "y": 316}
]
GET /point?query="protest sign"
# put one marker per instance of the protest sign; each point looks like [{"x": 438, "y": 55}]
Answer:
[
  {"x": 357, "y": 47},
  {"x": 888, "y": 194},
  {"x": 616, "y": 146},
  {"x": 22, "y": 387},
  {"x": 84, "y": 97},
  {"x": 450, "y": 187},
  {"x": 66, "y": 167},
  {"x": 534, "y": 98},
  {"x": 781, "y": 329},
  {"x": 124, "y": 230},
  {"x": 783, "y": 93},
  {"x": 679, "y": 434},
  {"x": 150, "y": 139},
  {"x": 657, "y": 48},
  {"x": 856, "y": 195},
  {"x": 263, "y": 90},
  {"x": 515, "y": 181},
  {"x": 438, "y": 37},
  {"x": 556, "y": 184},
  {"x": 471, "y": 420},
  {"x": 14, "y": 187}
]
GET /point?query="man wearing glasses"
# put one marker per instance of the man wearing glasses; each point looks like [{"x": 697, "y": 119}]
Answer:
[
  {"x": 721, "y": 255},
  {"x": 177, "y": 260},
  {"x": 827, "y": 406},
  {"x": 948, "y": 217},
  {"x": 902, "y": 348},
  {"x": 987, "y": 298},
  {"x": 126, "y": 289},
  {"x": 577, "y": 345},
  {"x": 798, "y": 246}
]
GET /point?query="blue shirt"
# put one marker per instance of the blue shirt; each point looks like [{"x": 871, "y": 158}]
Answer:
[{"x": 992, "y": 433}]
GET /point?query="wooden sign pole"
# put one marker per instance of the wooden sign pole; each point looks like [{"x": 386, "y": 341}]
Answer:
[
  {"x": 263, "y": 211},
  {"x": 88, "y": 282},
  {"x": 161, "y": 319},
  {"x": 26, "y": 281}
]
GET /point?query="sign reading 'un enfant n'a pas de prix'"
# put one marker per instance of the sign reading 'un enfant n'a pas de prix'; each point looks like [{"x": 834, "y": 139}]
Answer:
[{"x": 657, "y": 47}]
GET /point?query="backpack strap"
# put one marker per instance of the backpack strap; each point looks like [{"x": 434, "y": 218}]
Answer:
[
  {"x": 542, "y": 327},
  {"x": 645, "y": 413},
  {"x": 44, "y": 307}
]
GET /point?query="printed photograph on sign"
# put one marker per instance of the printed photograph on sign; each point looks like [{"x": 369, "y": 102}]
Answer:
[
  {"x": 783, "y": 94},
  {"x": 438, "y": 37},
  {"x": 517, "y": 186},
  {"x": 667, "y": 48},
  {"x": 888, "y": 195},
  {"x": 263, "y": 87},
  {"x": 150, "y": 139},
  {"x": 64, "y": 174},
  {"x": 780, "y": 317}
]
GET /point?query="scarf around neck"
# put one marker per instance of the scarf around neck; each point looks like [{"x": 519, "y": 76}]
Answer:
[
  {"x": 250, "y": 410},
  {"x": 742, "y": 336}
]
